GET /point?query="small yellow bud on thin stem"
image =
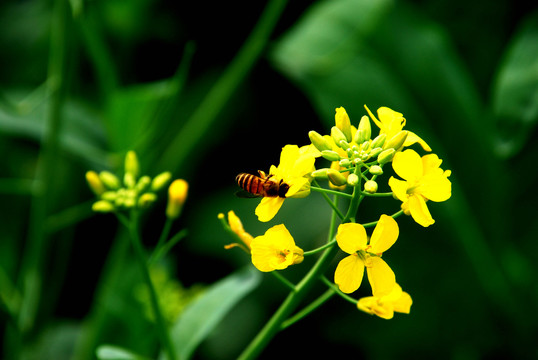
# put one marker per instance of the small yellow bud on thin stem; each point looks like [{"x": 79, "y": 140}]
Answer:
[
  {"x": 337, "y": 135},
  {"x": 370, "y": 186},
  {"x": 336, "y": 178},
  {"x": 397, "y": 140},
  {"x": 103, "y": 206},
  {"x": 319, "y": 141},
  {"x": 343, "y": 123},
  {"x": 110, "y": 180},
  {"x": 353, "y": 180},
  {"x": 132, "y": 165},
  {"x": 376, "y": 170},
  {"x": 385, "y": 156},
  {"x": 95, "y": 183},
  {"x": 330, "y": 155},
  {"x": 320, "y": 173},
  {"x": 364, "y": 132},
  {"x": 160, "y": 181},
  {"x": 177, "y": 194},
  {"x": 379, "y": 140}
]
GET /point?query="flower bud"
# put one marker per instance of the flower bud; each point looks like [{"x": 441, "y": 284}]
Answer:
[
  {"x": 146, "y": 199},
  {"x": 102, "y": 206},
  {"x": 370, "y": 186},
  {"x": 320, "y": 174},
  {"x": 397, "y": 140},
  {"x": 110, "y": 180},
  {"x": 109, "y": 196},
  {"x": 160, "y": 181},
  {"x": 129, "y": 180},
  {"x": 330, "y": 155},
  {"x": 364, "y": 132},
  {"x": 177, "y": 194},
  {"x": 336, "y": 178},
  {"x": 385, "y": 156},
  {"x": 379, "y": 141},
  {"x": 142, "y": 183},
  {"x": 376, "y": 151},
  {"x": 345, "y": 163},
  {"x": 344, "y": 145},
  {"x": 376, "y": 170},
  {"x": 319, "y": 141},
  {"x": 95, "y": 183},
  {"x": 352, "y": 180},
  {"x": 337, "y": 135},
  {"x": 343, "y": 123},
  {"x": 132, "y": 165}
]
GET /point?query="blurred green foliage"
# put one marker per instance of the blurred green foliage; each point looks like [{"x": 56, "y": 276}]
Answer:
[{"x": 163, "y": 78}]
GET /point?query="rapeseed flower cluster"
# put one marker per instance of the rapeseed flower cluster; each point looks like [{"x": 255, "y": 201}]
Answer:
[{"x": 356, "y": 160}]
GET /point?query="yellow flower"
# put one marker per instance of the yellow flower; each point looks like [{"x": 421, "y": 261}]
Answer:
[
  {"x": 295, "y": 164},
  {"x": 177, "y": 194},
  {"x": 385, "y": 306},
  {"x": 391, "y": 123},
  {"x": 237, "y": 227},
  {"x": 276, "y": 250},
  {"x": 423, "y": 180},
  {"x": 352, "y": 239}
]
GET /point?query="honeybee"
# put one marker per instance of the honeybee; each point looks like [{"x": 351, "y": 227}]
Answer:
[{"x": 260, "y": 186}]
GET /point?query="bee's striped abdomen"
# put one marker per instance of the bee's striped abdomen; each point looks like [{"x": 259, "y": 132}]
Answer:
[{"x": 251, "y": 183}]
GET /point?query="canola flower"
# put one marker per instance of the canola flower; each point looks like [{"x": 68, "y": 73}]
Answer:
[
  {"x": 423, "y": 180},
  {"x": 295, "y": 164},
  {"x": 385, "y": 306},
  {"x": 356, "y": 158}
]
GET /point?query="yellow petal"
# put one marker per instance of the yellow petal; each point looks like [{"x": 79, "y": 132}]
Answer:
[
  {"x": 403, "y": 304},
  {"x": 371, "y": 305},
  {"x": 436, "y": 187},
  {"x": 384, "y": 235},
  {"x": 349, "y": 273},
  {"x": 380, "y": 276},
  {"x": 430, "y": 163},
  {"x": 419, "y": 210},
  {"x": 268, "y": 208},
  {"x": 297, "y": 185},
  {"x": 393, "y": 121},
  {"x": 351, "y": 237},
  {"x": 399, "y": 188},
  {"x": 288, "y": 156},
  {"x": 413, "y": 138},
  {"x": 273, "y": 250},
  {"x": 374, "y": 119},
  {"x": 408, "y": 165}
]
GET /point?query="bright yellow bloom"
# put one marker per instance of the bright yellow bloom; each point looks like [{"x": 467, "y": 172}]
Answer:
[
  {"x": 391, "y": 123},
  {"x": 352, "y": 239},
  {"x": 276, "y": 250},
  {"x": 423, "y": 180},
  {"x": 237, "y": 227},
  {"x": 295, "y": 164},
  {"x": 385, "y": 306}
]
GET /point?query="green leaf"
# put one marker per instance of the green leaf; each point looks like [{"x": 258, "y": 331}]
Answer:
[
  {"x": 111, "y": 352},
  {"x": 201, "y": 317},
  {"x": 515, "y": 94}
]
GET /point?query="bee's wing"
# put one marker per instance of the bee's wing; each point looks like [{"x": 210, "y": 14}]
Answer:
[{"x": 246, "y": 194}]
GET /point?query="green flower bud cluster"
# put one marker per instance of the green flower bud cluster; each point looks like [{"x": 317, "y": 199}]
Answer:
[{"x": 133, "y": 191}]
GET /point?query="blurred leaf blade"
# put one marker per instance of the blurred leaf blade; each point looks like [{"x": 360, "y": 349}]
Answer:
[
  {"x": 110, "y": 352},
  {"x": 199, "y": 318},
  {"x": 515, "y": 93}
]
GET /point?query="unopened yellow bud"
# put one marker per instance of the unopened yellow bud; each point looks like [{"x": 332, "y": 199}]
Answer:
[
  {"x": 336, "y": 178},
  {"x": 370, "y": 186},
  {"x": 376, "y": 170},
  {"x": 337, "y": 135},
  {"x": 320, "y": 174},
  {"x": 330, "y": 155},
  {"x": 132, "y": 165},
  {"x": 386, "y": 156},
  {"x": 146, "y": 199},
  {"x": 110, "y": 180},
  {"x": 160, "y": 181},
  {"x": 129, "y": 180},
  {"x": 397, "y": 140},
  {"x": 102, "y": 206},
  {"x": 364, "y": 132},
  {"x": 109, "y": 196},
  {"x": 375, "y": 152},
  {"x": 379, "y": 140},
  {"x": 142, "y": 183},
  {"x": 352, "y": 180},
  {"x": 319, "y": 141},
  {"x": 345, "y": 163},
  {"x": 343, "y": 123},
  {"x": 177, "y": 194},
  {"x": 95, "y": 184}
]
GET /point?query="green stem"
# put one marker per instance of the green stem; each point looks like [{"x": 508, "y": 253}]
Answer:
[
  {"x": 32, "y": 263},
  {"x": 283, "y": 280},
  {"x": 290, "y": 303},
  {"x": 164, "y": 234},
  {"x": 355, "y": 200},
  {"x": 332, "y": 204},
  {"x": 321, "y": 248},
  {"x": 308, "y": 309},
  {"x": 141, "y": 258},
  {"x": 387, "y": 194},
  {"x": 329, "y": 191},
  {"x": 199, "y": 123},
  {"x": 334, "y": 288},
  {"x": 163, "y": 250}
]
